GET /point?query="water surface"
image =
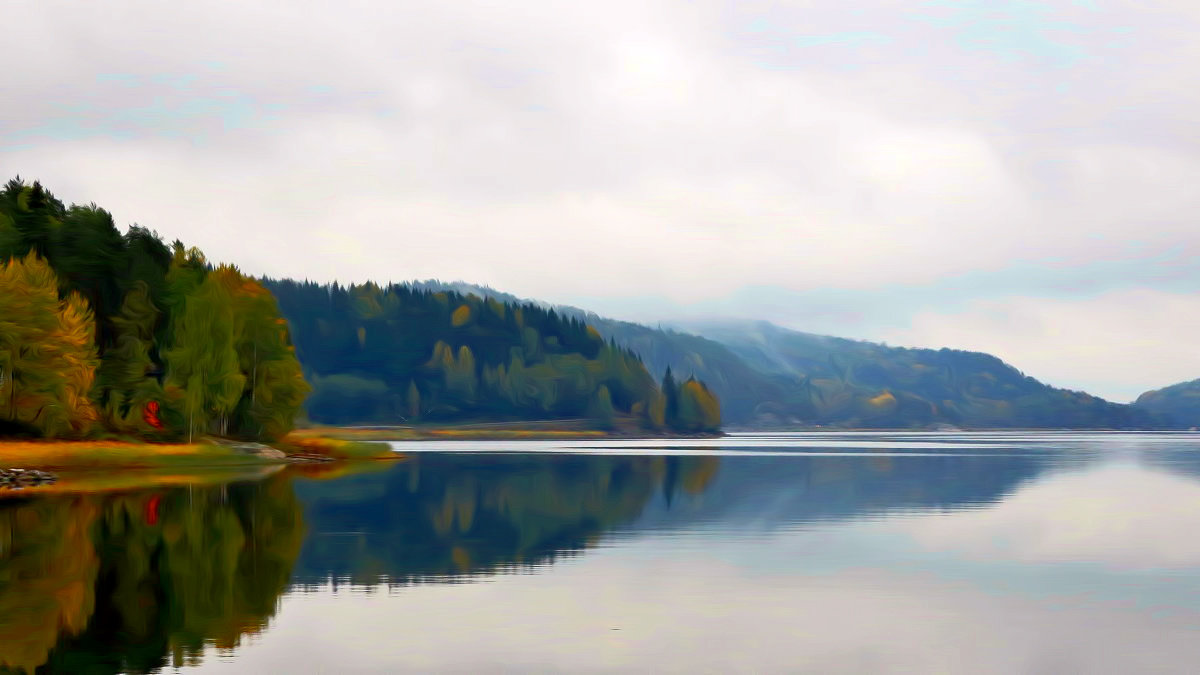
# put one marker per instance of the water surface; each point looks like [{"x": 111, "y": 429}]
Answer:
[{"x": 825, "y": 552}]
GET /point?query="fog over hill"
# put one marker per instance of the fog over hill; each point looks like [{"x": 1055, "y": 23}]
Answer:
[{"x": 766, "y": 375}]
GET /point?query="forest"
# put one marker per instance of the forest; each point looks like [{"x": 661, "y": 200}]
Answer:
[
  {"x": 120, "y": 335},
  {"x": 402, "y": 354},
  {"x": 767, "y": 376},
  {"x": 104, "y": 334}
]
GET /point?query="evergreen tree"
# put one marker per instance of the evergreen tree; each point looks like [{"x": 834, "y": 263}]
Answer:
[
  {"x": 126, "y": 383},
  {"x": 413, "y": 399},
  {"x": 670, "y": 392}
]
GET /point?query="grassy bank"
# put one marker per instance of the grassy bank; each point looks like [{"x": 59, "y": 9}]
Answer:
[
  {"x": 68, "y": 455},
  {"x": 112, "y": 454},
  {"x": 312, "y": 442}
]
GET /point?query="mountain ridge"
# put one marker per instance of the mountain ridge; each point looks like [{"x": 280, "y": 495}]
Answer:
[{"x": 770, "y": 376}]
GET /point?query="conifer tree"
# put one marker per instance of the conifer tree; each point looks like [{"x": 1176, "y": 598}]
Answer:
[
  {"x": 125, "y": 383},
  {"x": 670, "y": 392}
]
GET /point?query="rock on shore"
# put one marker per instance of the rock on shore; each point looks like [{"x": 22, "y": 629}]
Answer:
[{"x": 16, "y": 479}]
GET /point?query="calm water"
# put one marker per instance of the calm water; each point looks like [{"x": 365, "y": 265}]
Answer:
[{"x": 825, "y": 553}]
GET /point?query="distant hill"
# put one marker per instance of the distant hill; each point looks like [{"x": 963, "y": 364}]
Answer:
[
  {"x": 768, "y": 376},
  {"x": 1178, "y": 404},
  {"x": 866, "y": 384}
]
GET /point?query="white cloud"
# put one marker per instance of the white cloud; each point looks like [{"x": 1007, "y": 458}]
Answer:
[{"x": 683, "y": 150}]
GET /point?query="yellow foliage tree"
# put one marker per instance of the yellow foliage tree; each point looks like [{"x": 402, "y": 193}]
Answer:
[
  {"x": 699, "y": 409},
  {"x": 48, "y": 354},
  {"x": 461, "y": 316}
]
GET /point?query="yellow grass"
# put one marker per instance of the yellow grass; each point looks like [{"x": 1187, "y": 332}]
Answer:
[
  {"x": 306, "y": 442},
  {"x": 98, "y": 454},
  {"x": 92, "y": 481}
]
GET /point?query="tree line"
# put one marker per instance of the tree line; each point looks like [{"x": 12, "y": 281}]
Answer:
[
  {"x": 103, "y": 333},
  {"x": 402, "y": 354},
  {"x": 111, "y": 334}
]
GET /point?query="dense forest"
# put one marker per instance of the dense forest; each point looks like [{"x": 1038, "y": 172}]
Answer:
[
  {"x": 103, "y": 333},
  {"x": 768, "y": 376},
  {"x": 403, "y": 354}
]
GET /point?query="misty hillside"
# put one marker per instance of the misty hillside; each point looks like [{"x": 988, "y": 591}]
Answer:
[
  {"x": 766, "y": 375},
  {"x": 1178, "y": 404},
  {"x": 859, "y": 383},
  {"x": 746, "y": 393}
]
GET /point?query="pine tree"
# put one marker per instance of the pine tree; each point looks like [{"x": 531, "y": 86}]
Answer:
[
  {"x": 670, "y": 392},
  {"x": 414, "y": 401},
  {"x": 125, "y": 383}
]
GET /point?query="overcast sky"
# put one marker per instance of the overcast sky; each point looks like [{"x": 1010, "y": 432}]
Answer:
[{"x": 1016, "y": 177}]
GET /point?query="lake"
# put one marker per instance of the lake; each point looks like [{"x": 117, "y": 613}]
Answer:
[{"x": 810, "y": 552}]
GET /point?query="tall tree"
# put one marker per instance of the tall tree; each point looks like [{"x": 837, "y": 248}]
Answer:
[
  {"x": 670, "y": 392},
  {"x": 274, "y": 384},
  {"x": 127, "y": 389},
  {"x": 47, "y": 352},
  {"x": 203, "y": 379}
]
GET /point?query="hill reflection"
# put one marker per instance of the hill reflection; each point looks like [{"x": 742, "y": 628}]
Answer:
[{"x": 140, "y": 580}]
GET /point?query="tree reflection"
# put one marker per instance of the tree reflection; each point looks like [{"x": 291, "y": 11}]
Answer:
[
  {"x": 137, "y": 581},
  {"x": 441, "y": 516},
  {"x": 134, "y": 582}
]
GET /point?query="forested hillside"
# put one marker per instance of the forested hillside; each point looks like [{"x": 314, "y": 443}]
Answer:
[
  {"x": 746, "y": 394},
  {"x": 770, "y": 376},
  {"x": 403, "y": 353},
  {"x": 103, "y": 333},
  {"x": 859, "y": 383},
  {"x": 1178, "y": 405}
]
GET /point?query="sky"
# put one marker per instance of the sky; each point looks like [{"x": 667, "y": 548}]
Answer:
[{"x": 1009, "y": 176}]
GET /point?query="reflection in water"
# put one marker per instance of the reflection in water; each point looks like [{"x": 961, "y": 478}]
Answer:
[
  {"x": 466, "y": 514},
  {"x": 132, "y": 582},
  {"x": 867, "y": 562}
]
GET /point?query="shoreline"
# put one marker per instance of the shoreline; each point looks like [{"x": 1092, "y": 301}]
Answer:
[
  {"x": 491, "y": 431},
  {"x": 313, "y": 445}
]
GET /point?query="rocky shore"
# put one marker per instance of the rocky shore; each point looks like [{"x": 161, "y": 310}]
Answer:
[{"x": 17, "y": 479}]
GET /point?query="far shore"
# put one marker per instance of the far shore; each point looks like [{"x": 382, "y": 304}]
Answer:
[{"x": 527, "y": 430}]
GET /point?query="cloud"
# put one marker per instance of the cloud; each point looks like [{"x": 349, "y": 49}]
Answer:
[{"x": 688, "y": 151}]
